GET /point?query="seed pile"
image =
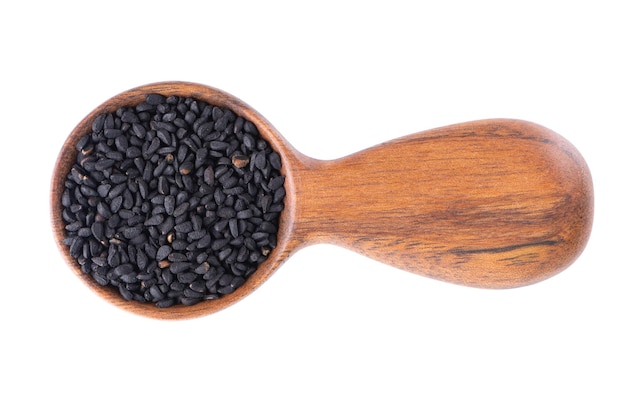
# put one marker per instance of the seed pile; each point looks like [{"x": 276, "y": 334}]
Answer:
[{"x": 172, "y": 201}]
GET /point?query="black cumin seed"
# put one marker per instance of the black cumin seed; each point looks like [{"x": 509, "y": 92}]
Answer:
[
  {"x": 179, "y": 267},
  {"x": 163, "y": 252},
  {"x": 166, "y": 184}
]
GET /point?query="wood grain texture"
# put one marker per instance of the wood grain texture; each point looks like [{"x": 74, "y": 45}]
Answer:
[{"x": 492, "y": 203}]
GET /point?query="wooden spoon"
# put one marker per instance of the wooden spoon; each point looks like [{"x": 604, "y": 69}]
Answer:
[{"x": 493, "y": 204}]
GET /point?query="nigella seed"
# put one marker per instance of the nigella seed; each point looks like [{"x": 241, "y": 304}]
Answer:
[
  {"x": 179, "y": 267},
  {"x": 218, "y": 244},
  {"x": 163, "y": 185},
  {"x": 187, "y": 278},
  {"x": 177, "y": 257},
  {"x": 104, "y": 164},
  {"x": 165, "y": 303},
  {"x": 274, "y": 160},
  {"x": 118, "y": 178},
  {"x": 156, "y": 293},
  {"x": 155, "y": 220},
  {"x": 189, "y": 301},
  {"x": 154, "y": 99},
  {"x": 276, "y": 182},
  {"x": 97, "y": 230},
  {"x": 196, "y": 235},
  {"x": 204, "y": 241},
  {"x": 112, "y": 132},
  {"x": 169, "y": 204},
  {"x": 131, "y": 232},
  {"x": 126, "y": 294},
  {"x": 179, "y": 245},
  {"x": 103, "y": 190},
  {"x": 181, "y": 209},
  {"x": 74, "y": 226},
  {"x": 116, "y": 191},
  {"x": 186, "y": 168},
  {"x": 202, "y": 268},
  {"x": 169, "y": 196},
  {"x": 133, "y": 152},
  {"x": 98, "y": 124},
  {"x": 184, "y": 227},
  {"x": 163, "y": 252},
  {"x": 233, "y": 227},
  {"x": 226, "y": 212}
]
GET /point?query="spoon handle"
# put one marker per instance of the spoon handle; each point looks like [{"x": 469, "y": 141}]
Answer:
[{"x": 493, "y": 204}]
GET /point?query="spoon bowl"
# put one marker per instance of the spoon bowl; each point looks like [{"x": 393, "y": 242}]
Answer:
[{"x": 492, "y": 204}]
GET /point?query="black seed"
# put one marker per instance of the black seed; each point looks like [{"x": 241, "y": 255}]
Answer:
[
  {"x": 76, "y": 246},
  {"x": 131, "y": 232},
  {"x": 179, "y": 245},
  {"x": 97, "y": 230},
  {"x": 236, "y": 282},
  {"x": 133, "y": 152},
  {"x": 165, "y": 303},
  {"x": 274, "y": 160},
  {"x": 104, "y": 164},
  {"x": 223, "y": 254},
  {"x": 204, "y": 241},
  {"x": 189, "y": 301},
  {"x": 203, "y": 268},
  {"x": 225, "y": 279},
  {"x": 218, "y": 244},
  {"x": 155, "y": 220},
  {"x": 179, "y": 267},
  {"x": 168, "y": 204},
  {"x": 118, "y": 178},
  {"x": 98, "y": 124},
  {"x": 260, "y": 161},
  {"x": 117, "y": 191},
  {"x": 112, "y": 133},
  {"x": 279, "y": 195},
  {"x": 177, "y": 257},
  {"x": 126, "y": 268},
  {"x": 129, "y": 278},
  {"x": 184, "y": 227},
  {"x": 156, "y": 293},
  {"x": 181, "y": 209},
  {"x": 187, "y": 278},
  {"x": 155, "y": 99},
  {"x": 196, "y": 235},
  {"x": 226, "y": 212},
  {"x": 163, "y": 252},
  {"x": 266, "y": 202},
  {"x": 139, "y": 130},
  {"x": 233, "y": 227},
  {"x": 103, "y": 190},
  {"x": 276, "y": 182},
  {"x": 126, "y": 294},
  {"x": 74, "y": 226},
  {"x": 198, "y": 286},
  {"x": 142, "y": 260},
  {"x": 178, "y": 173},
  {"x": 218, "y": 145},
  {"x": 186, "y": 168},
  {"x": 245, "y": 214},
  {"x": 163, "y": 185}
]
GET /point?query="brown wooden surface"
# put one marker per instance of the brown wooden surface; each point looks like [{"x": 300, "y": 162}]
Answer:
[{"x": 492, "y": 204}]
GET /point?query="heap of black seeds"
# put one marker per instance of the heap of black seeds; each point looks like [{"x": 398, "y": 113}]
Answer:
[{"x": 173, "y": 201}]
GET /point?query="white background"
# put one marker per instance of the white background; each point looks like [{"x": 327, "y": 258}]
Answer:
[{"x": 329, "y": 322}]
